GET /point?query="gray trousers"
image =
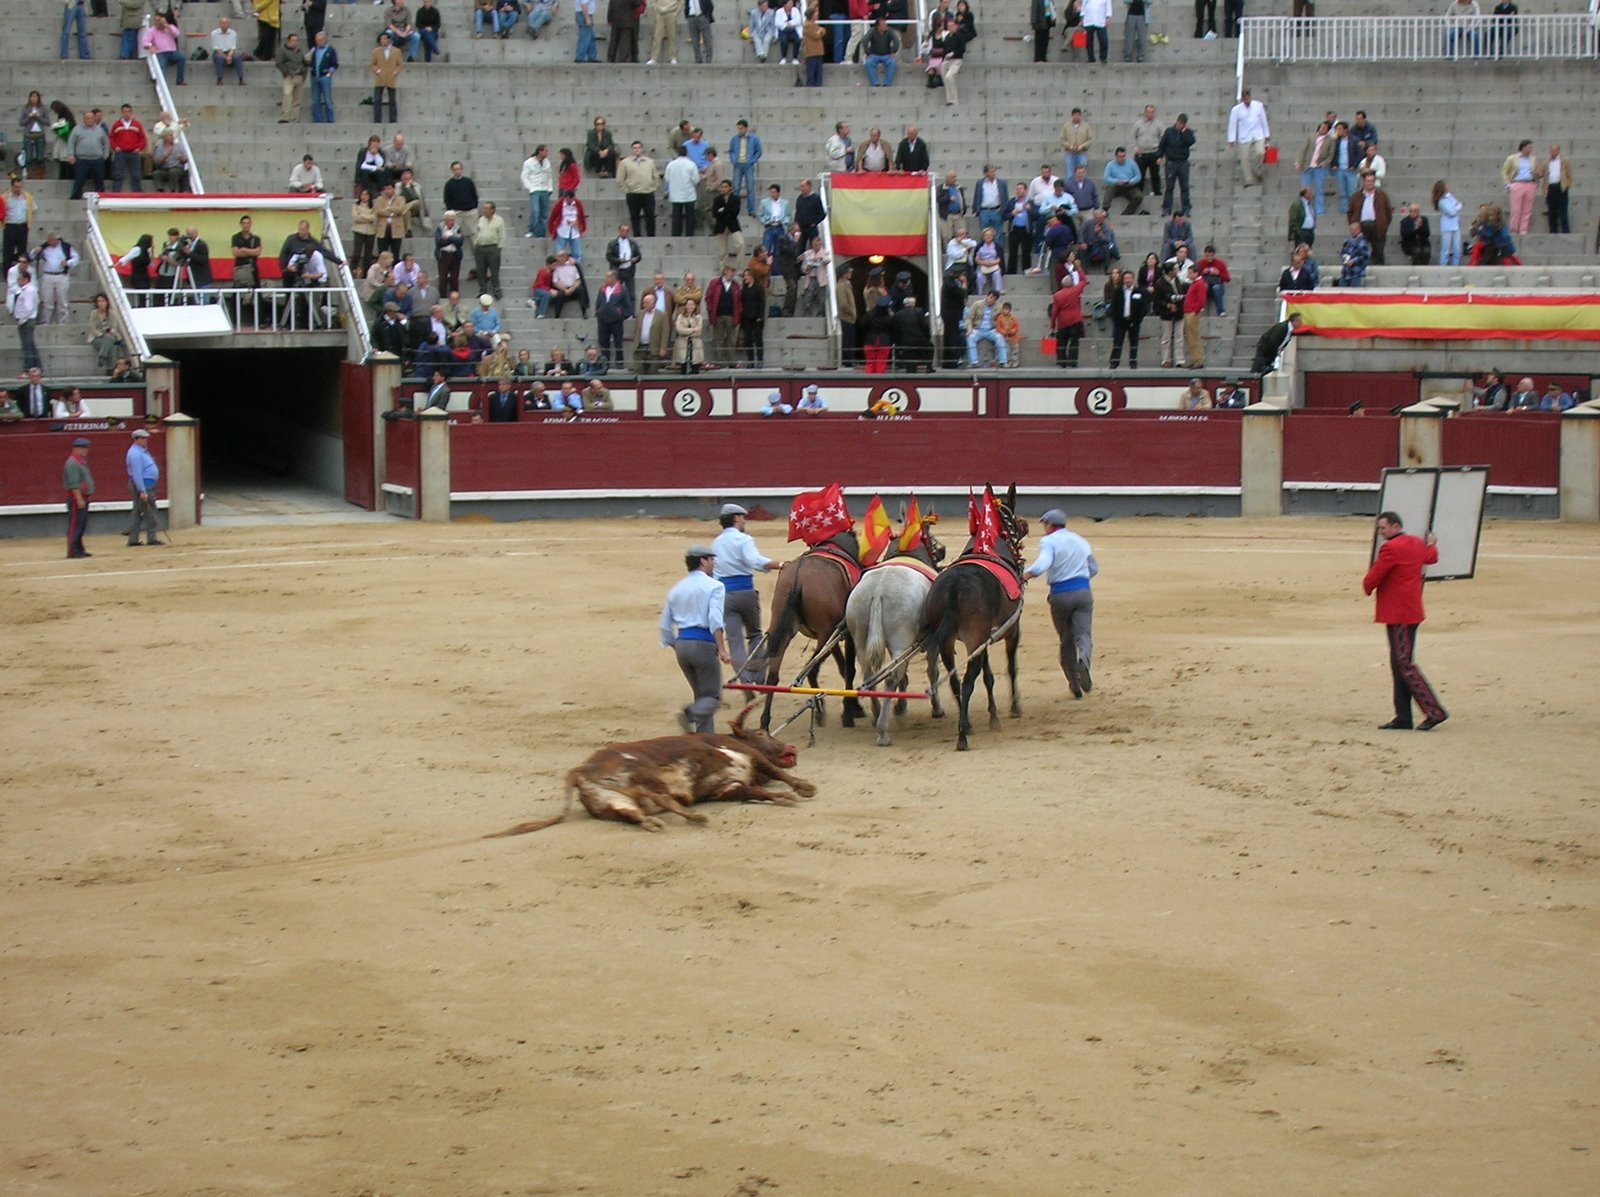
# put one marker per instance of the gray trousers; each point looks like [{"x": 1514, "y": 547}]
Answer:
[
  {"x": 741, "y": 622},
  {"x": 700, "y": 37},
  {"x": 698, "y": 660},
  {"x": 143, "y": 515},
  {"x": 1072, "y": 612}
]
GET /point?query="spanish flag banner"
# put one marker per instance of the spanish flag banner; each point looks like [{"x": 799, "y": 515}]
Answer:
[
  {"x": 1453, "y": 316},
  {"x": 912, "y": 533},
  {"x": 876, "y": 532},
  {"x": 879, "y": 214}
]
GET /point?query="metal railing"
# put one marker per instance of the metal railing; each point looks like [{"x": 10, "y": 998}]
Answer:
[
  {"x": 105, "y": 271},
  {"x": 261, "y": 309},
  {"x": 830, "y": 308},
  {"x": 1416, "y": 39},
  {"x": 360, "y": 336},
  {"x": 168, "y": 104}
]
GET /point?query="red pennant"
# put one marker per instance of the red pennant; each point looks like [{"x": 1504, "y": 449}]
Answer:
[{"x": 815, "y": 515}]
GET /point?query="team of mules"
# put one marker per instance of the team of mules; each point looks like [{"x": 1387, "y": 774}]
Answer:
[{"x": 901, "y": 603}]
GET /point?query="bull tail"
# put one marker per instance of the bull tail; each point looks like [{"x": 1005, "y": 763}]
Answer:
[{"x": 538, "y": 824}]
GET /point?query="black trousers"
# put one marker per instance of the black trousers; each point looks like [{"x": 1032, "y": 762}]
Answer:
[
  {"x": 1019, "y": 252},
  {"x": 611, "y": 350},
  {"x": 1409, "y": 683},
  {"x": 1149, "y": 172},
  {"x": 624, "y": 44},
  {"x": 955, "y": 346},
  {"x": 849, "y": 352},
  {"x": 641, "y": 213},
  {"x": 1555, "y": 207},
  {"x": 377, "y": 104},
  {"x": 1067, "y": 345},
  {"x": 683, "y": 220},
  {"x": 1177, "y": 179},
  {"x": 1205, "y": 17},
  {"x": 1369, "y": 230},
  {"x": 1125, "y": 331}
]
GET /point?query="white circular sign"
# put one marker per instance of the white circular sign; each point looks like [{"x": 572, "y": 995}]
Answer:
[
  {"x": 688, "y": 403},
  {"x": 1098, "y": 401}
]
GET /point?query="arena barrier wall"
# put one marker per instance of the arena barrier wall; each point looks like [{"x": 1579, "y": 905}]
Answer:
[
  {"x": 32, "y": 454},
  {"x": 1522, "y": 451},
  {"x": 402, "y": 486}
]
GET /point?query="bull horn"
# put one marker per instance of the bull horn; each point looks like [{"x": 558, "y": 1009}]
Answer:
[{"x": 738, "y": 720}]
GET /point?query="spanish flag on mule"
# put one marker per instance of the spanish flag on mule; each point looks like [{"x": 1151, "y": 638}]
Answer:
[
  {"x": 876, "y": 532},
  {"x": 912, "y": 532},
  {"x": 879, "y": 214}
]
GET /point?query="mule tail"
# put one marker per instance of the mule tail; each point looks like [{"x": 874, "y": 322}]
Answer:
[
  {"x": 941, "y": 635},
  {"x": 538, "y": 824},
  {"x": 875, "y": 649}
]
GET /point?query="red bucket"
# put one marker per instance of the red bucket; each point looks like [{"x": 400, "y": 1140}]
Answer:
[
  {"x": 1270, "y": 155},
  {"x": 1080, "y": 38},
  {"x": 1047, "y": 346}
]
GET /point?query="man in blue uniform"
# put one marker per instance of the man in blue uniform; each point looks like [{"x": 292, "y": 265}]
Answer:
[
  {"x": 143, "y": 474},
  {"x": 738, "y": 560},
  {"x": 1067, "y": 563},
  {"x": 691, "y": 625}
]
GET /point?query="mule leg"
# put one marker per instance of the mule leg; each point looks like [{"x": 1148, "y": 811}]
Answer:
[
  {"x": 1011, "y": 671},
  {"x": 988, "y": 685},
  {"x": 933, "y": 686},
  {"x": 852, "y": 706},
  {"x": 968, "y": 684},
  {"x": 813, "y": 679}
]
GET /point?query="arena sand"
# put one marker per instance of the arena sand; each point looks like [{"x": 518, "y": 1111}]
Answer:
[{"x": 1207, "y": 931}]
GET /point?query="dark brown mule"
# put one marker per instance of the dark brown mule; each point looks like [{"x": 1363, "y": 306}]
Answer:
[
  {"x": 968, "y": 603},
  {"x": 810, "y": 598}
]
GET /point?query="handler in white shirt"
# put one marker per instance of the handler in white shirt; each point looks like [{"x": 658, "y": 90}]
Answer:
[
  {"x": 691, "y": 625},
  {"x": 738, "y": 560},
  {"x": 1067, "y": 562},
  {"x": 1248, "y": 129}
]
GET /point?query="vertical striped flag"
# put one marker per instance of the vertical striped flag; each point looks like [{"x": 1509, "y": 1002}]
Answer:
[
  {"x": 876, "y": 532},
  {"x": 879, "y": 214},
  {"x": 912, "y": 532}
]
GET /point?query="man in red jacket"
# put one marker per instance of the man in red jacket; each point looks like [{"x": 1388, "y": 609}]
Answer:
[
  {"x": 1396, "y": 575},
  {"x": 1066, "y": 317},
  {"x": 128, "y": 143}
]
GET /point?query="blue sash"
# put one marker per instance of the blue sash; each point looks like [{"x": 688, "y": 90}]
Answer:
[
  {"x": 696, "y": 634},
  {"x": 738, "y": 582},
  {"x": 1069, "y": 585}
]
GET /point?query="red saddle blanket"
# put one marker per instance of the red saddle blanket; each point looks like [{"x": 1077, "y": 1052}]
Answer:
[
  {"x": 1003, "y": 573},
  {"x": 850, "y": 566}
]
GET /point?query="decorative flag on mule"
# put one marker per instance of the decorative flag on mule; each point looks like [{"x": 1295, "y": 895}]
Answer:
[
  {"x": 983, "y": 522},
  {"x": 876, "y": 532},
  {"x": 912, "y": 532},
  {"x": 815, "y": 515}
]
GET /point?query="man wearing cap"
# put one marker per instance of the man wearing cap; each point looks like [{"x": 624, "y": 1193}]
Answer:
[
  {"x": 143, "y": 474},
  {"x": 691, "y": 625},
  {"x": 738, "y": 561},
  {"x": 1067, "y": 562},
  {"x": 79, "y": 485},
  {"x": 811, "y": 401}
]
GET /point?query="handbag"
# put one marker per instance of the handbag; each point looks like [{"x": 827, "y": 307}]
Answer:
[{"x": 243, "y": 275}]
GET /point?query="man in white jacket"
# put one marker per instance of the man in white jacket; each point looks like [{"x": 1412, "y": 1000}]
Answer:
[
  {"x": 1249, "y": 132},
  {"x": 538, "y": 181}
]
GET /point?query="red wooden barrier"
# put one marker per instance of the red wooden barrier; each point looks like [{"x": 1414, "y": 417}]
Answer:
[
  {"x": 1523, "y": 449},
  {"x": 1335, "y": 448},
  {"x": 31, "y": 461},
  {"x": 402, "y": 454}
]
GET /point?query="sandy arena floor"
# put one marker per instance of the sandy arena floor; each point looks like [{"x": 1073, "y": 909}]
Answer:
[{"x": 1205, "y": 932}]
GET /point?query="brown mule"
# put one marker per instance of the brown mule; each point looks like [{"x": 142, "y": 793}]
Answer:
[{"x": 810, "y": 598}]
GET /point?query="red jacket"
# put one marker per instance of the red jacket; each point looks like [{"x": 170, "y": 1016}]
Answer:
[
  {"x": 127, "y": 136},
  {"x": 569, "y": 179},
  {"x": 1396, "y": 575},
  {"x": 714, "y": 297},
  {"x": 555, "y": 216},
  {"x": 1066, "y": 305},
  {"x": 1194, "y": 299}
]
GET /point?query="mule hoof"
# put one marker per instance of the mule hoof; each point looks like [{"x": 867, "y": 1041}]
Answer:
[
  {"x": 994, "y": 723},
  {"x": 883, "y": 739},
  {"x": 847, "y": 720},
  {"x": 961, "y": 744},
  {"x": 938, "y": 714}
]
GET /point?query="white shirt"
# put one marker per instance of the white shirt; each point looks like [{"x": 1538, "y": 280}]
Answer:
[
  {"x": 695, "y": 602},
  {"x": 224, "y": 42},
  {"x": 1248, "y": 122},
  {"x": 737, "y": 555},
  {"x": 682, "y": 177},
  {"x": 1553, "y": 171},
  {"x": 26, "y": 304},
  {"x": 306, "y": 178},
  {"x": 62, "y": 409},
  {"x": 536, "y": 175},
  {"x": 1041, "y": 189},
  {"x": 1096, "y": 13},
  {"x": 837, "y": 149},
  {"x": 1369, "y": 206},
  {"x": 1063, "y": 555}
]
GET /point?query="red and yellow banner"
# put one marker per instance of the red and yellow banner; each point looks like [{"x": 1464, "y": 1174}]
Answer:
[
  {"x": 1457, "y": 316},
  {"x": 879, "y": 214}
]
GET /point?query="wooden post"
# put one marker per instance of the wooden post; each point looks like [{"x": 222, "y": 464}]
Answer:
[
  {"x": 1261, "y": 461},
  {"x": 1580, "y": 463},
  {"x": 433, "y": 472},
  {"x": 183, "y": 470},
  {"x": 385, "y": 380}
]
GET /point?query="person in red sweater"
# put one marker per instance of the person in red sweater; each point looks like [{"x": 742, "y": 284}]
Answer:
[
  {"x": 1396, "y": 576},
  {"x": 1215, "y": 271},
  {"x": 1194, "y": 306},
  {"x": 128, "y": 143},
  {"x": 1066, "y": 317}
]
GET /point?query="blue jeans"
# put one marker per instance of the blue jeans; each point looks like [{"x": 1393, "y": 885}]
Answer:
[
  {"x": 541, "y": 300},
  {"x": 538, "y": 212},
  {"x": 814, "y": 71},
  {"x": 538, "y": 18},
  {"x": 408, "y": 44},
  {"x": 841, "y": 39},
  {"x": 875, "y": 77},
  {"x": 744, "y": 180},
  {"x": 1071, "y": 160},
  {"x": 1315, "y": 178},
  {"x": 222, "y": 66},
  {"x": 322, "y": 100},
  {"x": 1216, "y": 292},
  {"x": 76, "y": 15},
  {"x": 430, "y": 44},
  {"x": 1471, "y": 38},
  {"x": 989, "y": 218},
  {"x": 789, "y": 44},
  {"x": 770, "y": 238},
  {"x": 128, "y": 47},
  {"x": 991, "y": 336},
  {"x": 1450, "y": 247},
  {"x": 1347, "y": 186},
  {"x": 586, "y": 47},
  {"x": 574, "y": 244},
  {"x": 173, "y": 58}
]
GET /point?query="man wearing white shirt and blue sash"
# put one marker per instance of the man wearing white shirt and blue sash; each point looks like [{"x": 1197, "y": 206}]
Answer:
[
  {"x": 738, "y": 561},
  {"x": 691, "y": 625},
  {"x": 1067, "y": 563}
]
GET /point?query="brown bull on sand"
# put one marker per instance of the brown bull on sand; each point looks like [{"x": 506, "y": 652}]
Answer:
[{"x": 634, "y": 783}]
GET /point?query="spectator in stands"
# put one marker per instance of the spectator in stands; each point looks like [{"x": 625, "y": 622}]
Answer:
[
  {"x": 385, "y": 65},
  {"x": 592, "y": 365},
  {"x": 306, "y": 178},
  {"x": 128, "y": 144},
  {"x": 1416, "y": 237},
  {"x": 401, "y": 32},
  {"x": 169, "y": 165},
  {"x": 1215, "y": 273},
  {"x": 500, "y": 405},
  {"x": 1076, "y": 137},
  {"x": 1098, "y": 242},
  {"x": 429, "y": 25},
  {"x": 536, "y": 398},
  {"x": 688, "y": 339},
  {"x": 1343, "y": 162},
  {"x": 596, "y": 398},
  {"x": 411, "y": 195},
  {"x": 1194, "y": 307},
  {"x": 567, "y": 285},
  {"x": 979, "y": 327},
  {"x": 1177, "y": 143},
  {"x": 1555, "y": 399},
  {"x": 1491, "y": 243},
  {"x": 371, "y": 172},
  {"x": 126, "y": 371},
  {"x": 583, "y": 27},
  {"x": 613, "y": 309},
  {"x": 558, "y": 366},
  {"x": 1127, "y": 304},
  {"x": 1449, "y": 209},
  {"x": 881, "y": 46},
  {"x": 652, "y": 336},
  {"x": 71, "y": 406},
  {"x": 32, "y": 399},
  {"x": 1492, "y": 395},
  {"x": 393, "y": 222},
  {"x": 569, "y": 399},
  {"x": 1248, "y": 133},
  {"x": 666, "y": 33},
  {"x": 568, "y": 223},
  {"x": 1522, "y": 174},
  {"x": 1196, "y": 398},
  {"x": 1177, "y": 232},
  {"x": 1066, "y": 319},
  {"x": 1375, "y": 163},
  {"x": 1461, "y": 18},
  {"x": 1121, "y": 178},
  {"x": 1526, "y": 397},
  {"x": 1354, "y": 255},
  {"x": 1303, "y": 218},
  {"x": 1017, "y": 219},
  {"x": 102, "y": 333},
  {"x": 53, "y": 263},
  {"x": 1315, "y": 158},
  {"x": 1085, "y": 197},
  {"x": 1230, "y": 395},
  {"x": 1371, "y": 209},
  {"x": 874, "y": 155},
  {"x": 988, "y": 262},
  {"x": 1557, "y": 183},
  {"x": 322, "y": 64},
  {"x": 600, "y": 151},
  {"x": 225, "y": 54},
  {"x": 449, "y": 245},
  {"x": 497, "y": 365},
  {"x": 389, "y": 335},
  {"x": 364, "y": 230},
  {"x": 1272, "y": 344},
  {"x": 812, "y": 41},
  {"x": 1301, "y": 274},
  {"x": 623, "y": 18},
  {"x": 163, "y": 40}
]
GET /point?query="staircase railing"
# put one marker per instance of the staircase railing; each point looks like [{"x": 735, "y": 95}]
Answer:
[
  {"x": 1418, "y": 38},
  {"x": 164, "y": 96},
  {"x": 104, "y": 264}
]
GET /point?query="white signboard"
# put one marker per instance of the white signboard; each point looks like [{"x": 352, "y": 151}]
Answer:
[{"x": 1448, "y": 501}]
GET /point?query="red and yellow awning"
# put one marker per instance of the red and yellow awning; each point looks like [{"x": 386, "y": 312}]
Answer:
[
  {"x": 879, "y": 214},
  {"x": 1454, "y": 316}
]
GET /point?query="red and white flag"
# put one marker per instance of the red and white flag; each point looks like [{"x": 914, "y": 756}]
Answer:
[
  {"x": 815, "y": 515},
  {"x": 983, "y": 521}
]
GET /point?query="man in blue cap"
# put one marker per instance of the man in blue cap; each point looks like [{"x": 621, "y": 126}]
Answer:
[
  {"x": 1067, "y": 562},
  {"x": 738, "y": 560},
  {"x": 691, "y": 625},
  {"x": 143, "y": 474}
]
